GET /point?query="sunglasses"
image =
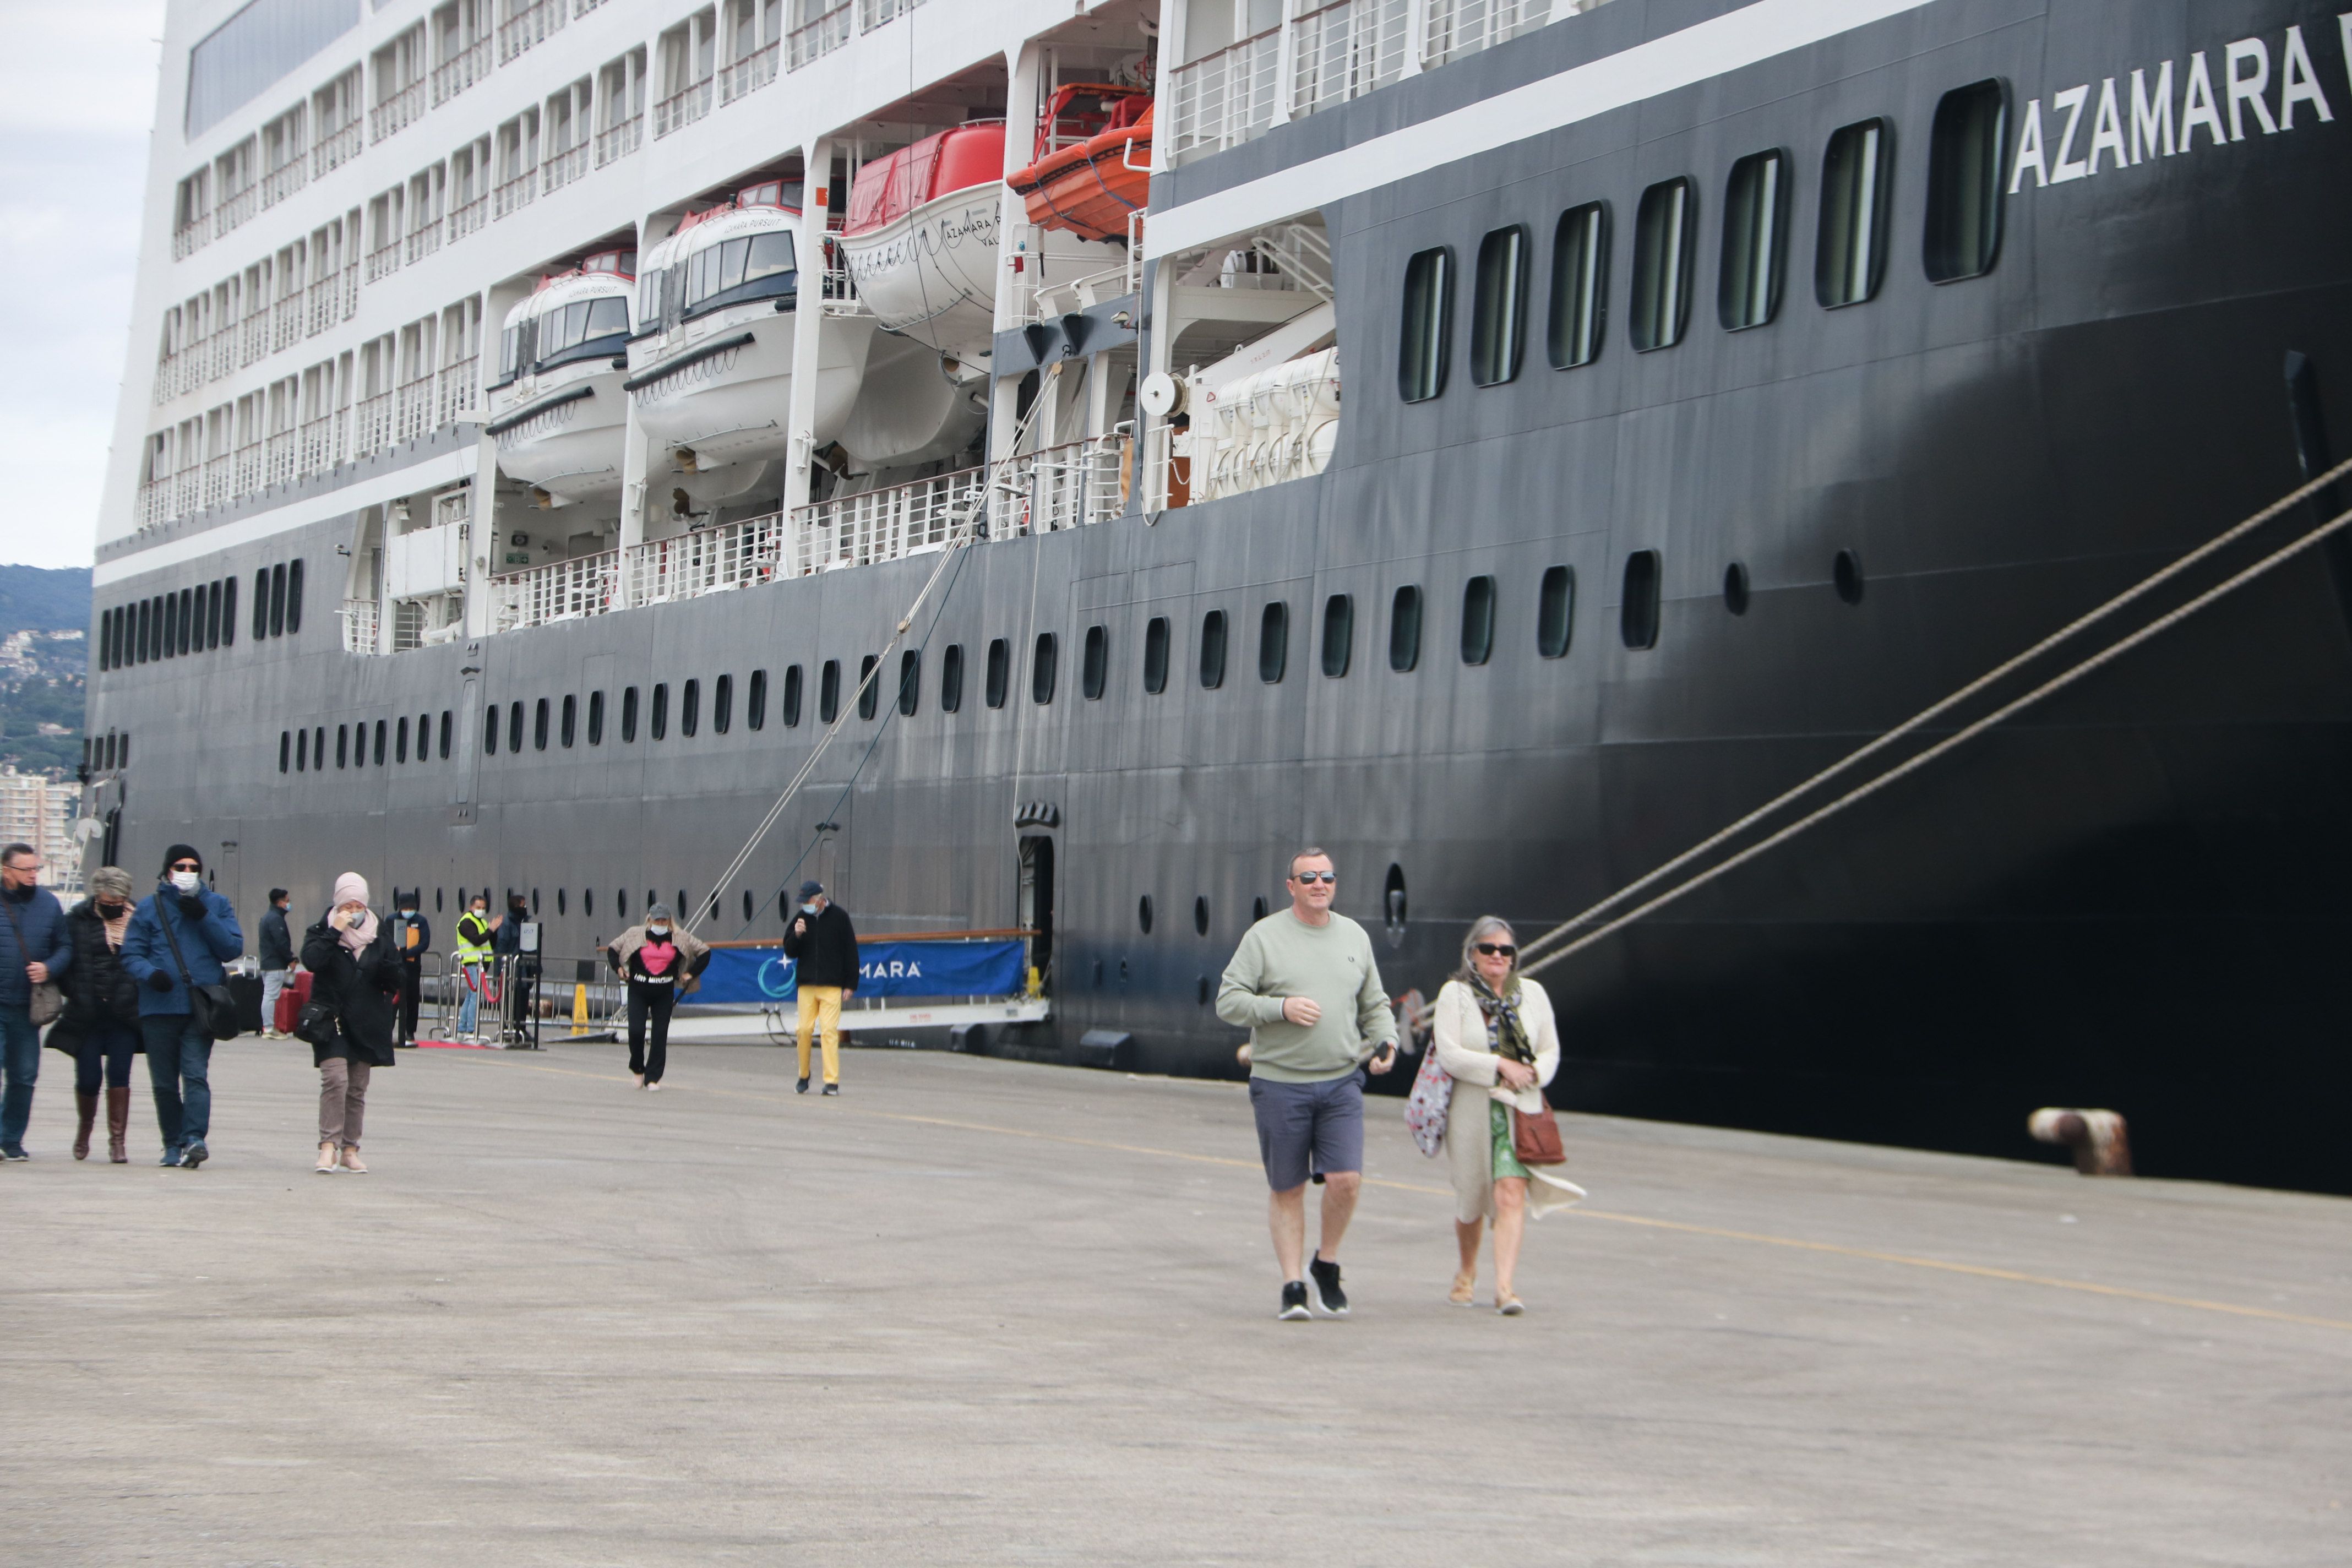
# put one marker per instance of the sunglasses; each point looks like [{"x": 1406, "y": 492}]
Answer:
[
  {"x": 185, "y": 865},
  {"x": 1315, "y": 876},
  {"x": 1494, "y": 949}
]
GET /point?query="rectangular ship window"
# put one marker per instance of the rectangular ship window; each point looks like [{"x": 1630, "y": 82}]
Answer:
[
  {"x": 1477, "y": 620},
  {"x": 491, "y": 730},
  {"x": 1555, "y": 611},
  {"x": 400, "y": 741},
  {"x": 628, "y": 715},
  {"x": 658, "y": 727},
  {"x": 828, "y": 692},
  {"x": 379, "y": 742},
  {"x": 1155, "y": 656},
  {"x": 568, "y": 728},
  {"x": 1498, "y": 306},
  {"x": 791, "y": 697},
  {"x": 1339, "y": 634},
  {"x": 343, "y": 746},
  {"x": 1213, "y": 650},
  {"x": 722, "y": 704},
  {"x": 1849, "y": 260},
  {"x": 689, "y": 707},
  {"x": 1755, "y": 226},
  {"x": 1273, "y": 642},
  {"x": 447, "y": 725},
  {"x": 1042, "y": 663},
  {"x": 1662, "y": 265},
  {"x": 910, "y": 682},
  {"x": 1093, "y": 663},
  {"x": 596, "y": 718},
  {"x": 539, "y": 726},
  {"x": 755, "y": 701},
  {"x": 514, "y": 727},
  {"x": 1964, "y": 182},
  {"x": 1638, "y": 619},
  {"x": 1404, "y": 629},
  {"x": 952, "y": 679},
  {"x": 1000, "y": 672},
  {"x": 869, "y": 690},
  {"x": 261, "y": 603},
  {"x": 1428, "y": 309}
]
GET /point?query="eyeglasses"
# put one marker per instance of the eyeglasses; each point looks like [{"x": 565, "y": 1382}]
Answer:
[
  {"x": 1496, "y": 949},
  {"x": 185, "y": 865},
  {"x": 1315, "y": 876}
]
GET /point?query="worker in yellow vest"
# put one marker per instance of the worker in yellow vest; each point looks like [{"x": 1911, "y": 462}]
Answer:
[{"x": 473, "y": 962}]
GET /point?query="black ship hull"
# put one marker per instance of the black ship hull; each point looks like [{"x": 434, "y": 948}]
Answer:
[{"x": 2131, "y": 897}]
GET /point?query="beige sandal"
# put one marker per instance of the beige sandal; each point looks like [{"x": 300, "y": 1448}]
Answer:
[
  {"x": 351, "y": 1159},
  {"x": 1466, "y": 1287},
  {"x": 1509, "y": 1306},
  {"x": 326, "y": 1165}
]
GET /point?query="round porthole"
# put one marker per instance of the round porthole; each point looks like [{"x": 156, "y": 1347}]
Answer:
[
  {"x": 1847, "y": 574},
  {"x": 436, "y": 900},
  {"x": 1258, "y": 907},
  {"x": 1200, "y": 916},
  {"x": 1202, "y": 991},
  {"x": 1143, "y": 919},
  {"x": 559, "y": 900},
  {"x": 534, "y": 903},
  {"x": 588, "y": 902},
  {"x": 1734, "y": 588},
  {"x": 748, "y": 910},
  {"x": 621, "y": 902}
]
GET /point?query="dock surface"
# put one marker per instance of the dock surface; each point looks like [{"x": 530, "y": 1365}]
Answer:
[{"x": 974, "y": 1312}]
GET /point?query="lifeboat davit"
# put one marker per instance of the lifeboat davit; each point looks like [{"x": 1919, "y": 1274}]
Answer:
[
  {"x": 1094, "y": 160},
  {"x": 921, "y": 241},
  {"x": 557, "y": 411},
  {"x": 719, "y": 305}
]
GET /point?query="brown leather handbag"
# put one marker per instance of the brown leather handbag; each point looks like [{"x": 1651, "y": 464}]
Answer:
[{"x": 1535, "y": 1139}]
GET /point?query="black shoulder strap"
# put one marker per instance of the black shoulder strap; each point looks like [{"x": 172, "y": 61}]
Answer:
[{"x": 164, "y": 920}]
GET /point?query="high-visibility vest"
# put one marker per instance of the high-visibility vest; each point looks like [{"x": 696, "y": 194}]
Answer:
[{"x": 473, "y": 939}]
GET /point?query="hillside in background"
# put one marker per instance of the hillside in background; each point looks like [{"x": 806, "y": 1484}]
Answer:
[{"x": 43, "y": 661}]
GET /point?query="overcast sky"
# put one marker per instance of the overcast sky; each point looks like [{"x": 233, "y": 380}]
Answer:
[{"x": 77, "y": 96}]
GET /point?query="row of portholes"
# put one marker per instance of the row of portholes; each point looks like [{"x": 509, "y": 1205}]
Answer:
[
  {"x": 784, "y": 903},
  {"x": 1845, "y": 577}
]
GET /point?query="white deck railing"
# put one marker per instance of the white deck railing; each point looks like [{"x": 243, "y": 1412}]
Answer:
[
  {"x": 681, "y": 108},
  {"x": 819, "y": 38},
  {"x": 752, "y": 72},
  {"x": 530, "y": 25},
  {"x": 881, "y": 525},
  {"x": 398, "y": 112},
  {"x": 1337, "y": 52},
  {"x": 461, "y": 70},
  {"x": 620, "y": 140},
  {"x": 872, "y": 14},
  {"x": 558, "y": 591},
  {"x": 738, "y": 554}
]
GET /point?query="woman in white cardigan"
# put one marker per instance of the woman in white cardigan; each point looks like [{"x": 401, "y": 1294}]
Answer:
[{"x": 1495, "y": 1035}]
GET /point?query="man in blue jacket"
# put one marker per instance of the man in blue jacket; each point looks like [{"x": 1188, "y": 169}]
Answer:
[
  {"x": 179, "y": 1054},
  {"x": 34, "y": 947}
]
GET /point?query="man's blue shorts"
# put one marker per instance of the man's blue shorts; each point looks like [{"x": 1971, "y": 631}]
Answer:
[{"x": 1294, "y": 1119}]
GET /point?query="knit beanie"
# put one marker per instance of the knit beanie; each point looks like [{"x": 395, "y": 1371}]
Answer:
[{"x": 182, "y": 852}]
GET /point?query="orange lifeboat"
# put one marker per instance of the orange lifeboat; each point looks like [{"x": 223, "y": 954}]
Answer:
[{"x": 1094, "y": 160}]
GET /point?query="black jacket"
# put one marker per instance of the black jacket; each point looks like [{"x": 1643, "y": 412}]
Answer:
[
  {"x": 364, "y": 992},
  {"x": 98, "y": 989},
  {"x": 277, "y": 942},
  {"x": 827, "y": 955},
  {"x": 423, "y": 937}
]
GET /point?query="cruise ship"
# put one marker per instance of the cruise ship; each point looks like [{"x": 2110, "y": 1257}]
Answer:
[{"x": 1504, "y": 442}]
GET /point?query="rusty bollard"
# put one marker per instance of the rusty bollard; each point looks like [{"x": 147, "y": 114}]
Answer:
[{"x": 2102, "y": 1146}]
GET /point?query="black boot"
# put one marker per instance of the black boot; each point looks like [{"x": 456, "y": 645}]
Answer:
[{"x": 86, "y": 1104}]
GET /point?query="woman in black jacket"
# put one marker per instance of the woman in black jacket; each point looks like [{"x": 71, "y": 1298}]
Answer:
[
  {"x": 355, "y": 988},
  {"x": 99, "y": 1026}
]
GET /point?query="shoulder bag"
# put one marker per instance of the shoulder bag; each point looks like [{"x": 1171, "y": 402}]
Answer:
[
  {"x": 210, "y": 1007},
  {"x": 1535, "y": 1137},
  {"x": 46, "y": 1000}
]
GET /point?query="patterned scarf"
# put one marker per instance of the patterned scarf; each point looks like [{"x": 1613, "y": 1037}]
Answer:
[{"x": 1505, "y": 1034}]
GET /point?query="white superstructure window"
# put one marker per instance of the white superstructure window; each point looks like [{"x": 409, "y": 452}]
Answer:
[
  {"x": 235, "y": 179},
  {"x": 335, "y": 117},
  {"x": 192, "y": 213},
  {"x": 285, "y": 165},
  {"x": 569, "y": 114},
  {"x": 399, "y": 96},
  {"x": 688, "y": 57},
  {"x": 620, "y": 107},
  {"x": 461, "y": 46},
  {"x": 469, "y": 188},
  {"x": 518, "y": 163}
]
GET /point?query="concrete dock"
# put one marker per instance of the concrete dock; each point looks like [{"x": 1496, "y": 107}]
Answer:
[{"x": 979, "y": 1312}]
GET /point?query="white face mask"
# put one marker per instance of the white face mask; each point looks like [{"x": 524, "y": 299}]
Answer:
[
  {"x": 187, "y": 882},
  {"x": 808, "y": 909},
  {"x": 354, "y": 918},
  {"x": 657, "y": 933}
]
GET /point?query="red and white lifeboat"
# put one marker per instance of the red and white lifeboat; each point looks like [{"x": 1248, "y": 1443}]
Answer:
[{"x": 921, "y": 240}]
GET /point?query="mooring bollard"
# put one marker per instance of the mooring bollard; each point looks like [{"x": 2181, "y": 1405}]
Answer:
[{"x": 2102, "y": 1146}]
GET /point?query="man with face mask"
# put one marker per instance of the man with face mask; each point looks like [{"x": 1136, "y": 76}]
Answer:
[
  {"x": 822, "y": 945},
  {"x": 200, "y": 921},
  {"x": 661, "y": 961},
  {"x": 412, "y": 939},
  {"x": 35, "y": 947},
  {"x": 474, "y": 956}
]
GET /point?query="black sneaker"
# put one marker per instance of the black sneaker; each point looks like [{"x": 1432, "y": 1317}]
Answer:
[
  {"x": 14, "y": 1152},
  {"x": 801, "y": 1087},
  {"x": 833, "y": 1089},
  {"x": 1294, "y": 1301},
  {"x": 1330, "y": 1299},
  {"x": 171, "y": 1157},
  {"x": 194, "y": 1154}
]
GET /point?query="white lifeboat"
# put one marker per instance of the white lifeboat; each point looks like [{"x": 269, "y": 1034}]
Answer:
[
  {"x": 921, "y": 241},
  {"x": 710, "y": 371},
  {"x": 557, "y": 411}
]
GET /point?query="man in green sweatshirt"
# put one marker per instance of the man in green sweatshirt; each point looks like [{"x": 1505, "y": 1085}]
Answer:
[{"x": 1304, "y": 984}]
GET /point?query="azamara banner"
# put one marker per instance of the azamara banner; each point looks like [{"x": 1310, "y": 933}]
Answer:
[{"x": 747, "y": 976}]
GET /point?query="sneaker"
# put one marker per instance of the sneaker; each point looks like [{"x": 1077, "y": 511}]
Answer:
[
  {"x": 194, "y": 1154},
  {"x": 14, "y": 1152},
  {"x": 830, "y": 1089},
  {"x": 1330, "y": 1299},
  {"x": 1294, "y": 1301},
  {"x": 801, "y": 1087},
  {"x": 653, "y": 1086},
  {"x": 171, "y": 1157}
]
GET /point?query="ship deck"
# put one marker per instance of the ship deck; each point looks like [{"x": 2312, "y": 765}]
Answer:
[{"x": 975, "y": 1311}]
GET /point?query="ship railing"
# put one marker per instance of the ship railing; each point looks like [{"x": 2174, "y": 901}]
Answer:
[
  {"x": 468, "y": 216},
  {"x": 752, "y": 72},
  {"x": 254, "y": 337},
  {"x": 191, "y": 236},
  {"x": 416, "y": 419},
  {"x": 1053, "y": 300},
  {"x": 1226, "y": 99},
  {"x": 813, "y": 40},
  {"x": 324, "y": 302},
  {"x": 561, "y": 168},
  {"x": 1345, "y": 50},
  {"x": 154, "y": 503},
  {"x": 250, "y": 467},
  {"x": 336, "y": 148},
  {"x": 351, "y": 289},
  {"x": 282, "y": 457},
  {"x": 285, "y": 320},
  {"x": 188, "y": 490},
  {"x": 872, "y": 14},
  {"x": 167, "y": 379},
  {"x": 234, "y": 208},
  {"x": 285, "y": 180},
  {"x": 513, "y": 195},
  {"x": 424, "y": 240},
  {"x": 531, "y": 26},
  {"x": 740, "y": 554},
  {"x": 1069, "y": 485},
  {"x": 403, "y": 108},
  {"x": 681, "y": 109},
  {"x": 620, "y": 140},
  {"x": 322, "y": 442},
  {"x": 1461, "y": 28},
  {"x": 460, "y": 388},
  {"x": 220, "y": 481},
  {"x": 558, "y": 591},
  {"x": 372, "y": 425},
  {"x": 360, "y": 623},
  {"x": 889, "y": 524},
  {"x": 223, "y": 344},
  {"x": 384, "y": 261},
  {"x": 461, "y": 70}
]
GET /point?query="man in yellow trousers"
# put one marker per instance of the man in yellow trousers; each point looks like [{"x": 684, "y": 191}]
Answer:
[{"x": 823, "y": 946}]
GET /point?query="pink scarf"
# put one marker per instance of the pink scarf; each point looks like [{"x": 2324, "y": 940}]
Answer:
[{"x": 351, "y": 888}]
